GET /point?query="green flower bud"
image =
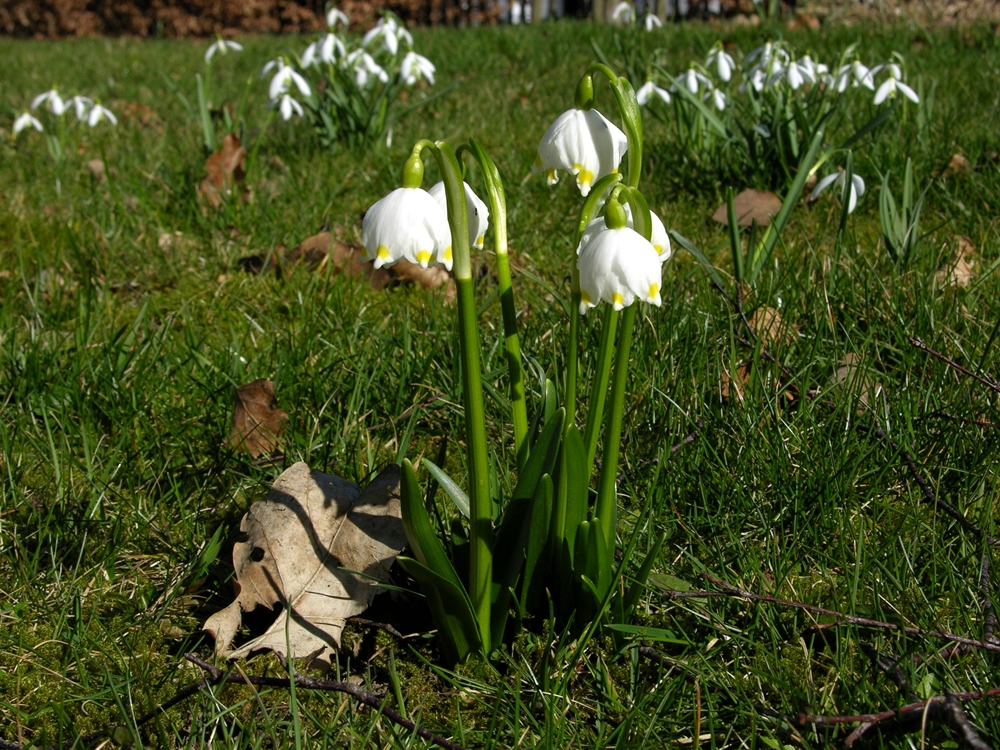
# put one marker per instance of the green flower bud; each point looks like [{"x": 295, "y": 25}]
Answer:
[
  {"x": 413, "y": 172},
  {"x": 585, "y": 93}
]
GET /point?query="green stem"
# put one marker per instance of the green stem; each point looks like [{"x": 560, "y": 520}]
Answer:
[
  {"x": 573, "y": 350},
  {"x": 595, "y": 413},
  {"x": 606, "y": 510}
]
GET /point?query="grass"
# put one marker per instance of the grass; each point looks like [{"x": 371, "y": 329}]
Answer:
[{"x": 119, "y": 355}]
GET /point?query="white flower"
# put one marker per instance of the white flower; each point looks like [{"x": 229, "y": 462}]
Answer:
[
  {"x": 80, "y": 104},
  {"x": 98, "y": 113},
  {"x": 798, "y": 72},
  {"x": 56, "y": 103},
  {"x": 863, "y": 76},
  {"x": 416, "y": 66},
  {"x": 223, "y": 46},
  {"x": 718, "y": 98},
  {"x": 335, "y": 16},
  {"x": 693, "y": 78},
  {"x": 391, "y": 33},
  {"x": 623, "y": 13},
  {"x": 857, "y": 188},
  {"x": 479, "y": 214},
  {"x": 618, "y": 266},
  {"x": 723, "y": 63},
  {"x": 327, "y": 50},
  {"x": 892, "y": 84},
  {"x": 648, "y": 90},
  {"x": 658, "y": 237},
  {"x": 404, "y": 36},
  {"x": 407, "y": 224},
  {"x": 582, "y": 142},
  {"x": 364, "y": 67},
  {"x": 287, "y": 106},
  {"x": 284, "y": 79},
  {"x": 652, "y": 22},
  {"x": 26, "y": 120}
]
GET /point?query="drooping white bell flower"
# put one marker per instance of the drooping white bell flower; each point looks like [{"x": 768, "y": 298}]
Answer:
[
  {"x": 221, "y": 46},
  {"x": 81, "y": 104},
  {"x": 623, "y": 13},
  {"x": 618, "y": 266},
  {"x": 287, "y": 106},
  {"x": 479, "y": 214},
  {"x": 694, "y": 78},
  {"x": 98, "y": 113},
  {"x": 56, "y": 104},
  {"x": 414, "y": 67},
  {"x": 649, "y": 90},
  {"x": 365, "y": 68},
  {"x": 387, "y": 29},
  {"x": 331, "y": 48},
  {"x": 863, "y": 76},
  {"x": 658, "y": 237},
  {"x": 407, "y": 224},
  {"x": 857, "y": 188},
  {"x": 284, "y": 78},
  {"x": 26, "y": 120},
  {"x": 582, "y": 142},
  {"x": 335, "y": 16},
  {"x": 652, "y": 22},
  {"x": 722, "y": 61},
  {"x": 892, "y": 84},
  {"x": 718, "y": 97}
]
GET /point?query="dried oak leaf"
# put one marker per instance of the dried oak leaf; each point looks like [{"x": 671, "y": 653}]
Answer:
[
  {"x": 300, "y": 546},
  {"x": 750, "y": 205},
  {"x": 960, "y": 271},
  {"x": 257, "y": 422},
  {"x": 225, "y": 172}
]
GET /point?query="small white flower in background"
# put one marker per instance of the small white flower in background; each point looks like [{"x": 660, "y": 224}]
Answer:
[
  {"x": 365, "y": 68},
  {"x": 796, "y": 74},
  {"x": 722, "y": 61},
  {"x": 863, "y": 76},
  {"x": 26, "y": 120},
  {"x": 328, "y": 50},
  {"x": 414, "y": 67},
  {"x": 283, "y": 79},
  {"x": 756, "y": 80},
  {"x": 391, "y": 33},
  {"x": 479, "y": 214},
  {"x": 892, "y": 84},
  {"x": 287, "y": 106},
  {"x": 222, "y": 46},
  {"x": 407, "y": 224},
  {"x": 718, "y": 97},
  {"x": 404, "y": 36},
  {"x": 857, "y": 187},
  {"x": 335, "y": 16},
  {"x": 56, "y": 103},
  {"x": 310, "y": 56},
  {"x": 623, "y": 13},
  {"x": 81, "y": 104},
  {"x": 618, "y": 266},
  {"x": 658, "y": 237},
  {"x": 98, "y": 113},
  {"x": 652, "y": 22},
  {"x": 582, "y": 142},
  {"x": 650, "y": 89}
]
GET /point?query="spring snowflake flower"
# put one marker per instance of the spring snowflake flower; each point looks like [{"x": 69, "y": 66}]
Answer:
[
  {"x": 98, "y": 113},
  {"x": 892, "y": 84},
  {"x": 618, "y": 266},
  {"x": 414, "y": 67},
  {"x": 857, "y": 188},
  {"x": 650, "y": 89},
  {"x": 623, "y": 13},
  {"x": 26, "y": 120},
  {"x": 365, "y": 68},
  {"x": 284, "y": 79},
  {"x": 222, "y": 46},
  {"x": 652, "y": 22},
  {"x": 582, "y": 142},
  {"x": 407, "y": 224},
  {"x": 56, "y": 103},
  {"x": 658, "y": 237},
  {"x": 335, "y": 16},
  {"x": 723, "y": 62},
  {"x": 479, "y": 214}
]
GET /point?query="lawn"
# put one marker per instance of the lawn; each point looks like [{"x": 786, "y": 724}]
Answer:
[{"x": 808, "y": 463}]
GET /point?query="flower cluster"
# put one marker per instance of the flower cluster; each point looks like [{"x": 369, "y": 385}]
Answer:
[{"x": 85, "y": 108}]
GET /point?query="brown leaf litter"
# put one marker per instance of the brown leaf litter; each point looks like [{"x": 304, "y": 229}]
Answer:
[
  {"x": 961, "y": 268},
  {"x": 257, "y": 420},
  {"x": 225, "y": 173},
  {"x": 750, "y": 205}
]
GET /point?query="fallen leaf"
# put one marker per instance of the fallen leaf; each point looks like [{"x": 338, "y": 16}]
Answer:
[
  {"x": 257, "y": 422},
  {"x": 733, "y": 387},
  {"x": 769, "y": 327},
  {"x": 750, "y": 205},
  {"x": 139, "y": 114},
  {"x": 299, "y": 548},
  {"x": 97, "y": 170},
  {"x": 961, "y": 269},
  {"x": 856, "y": 378},
  {"x": 321, "y": 249},
  {"x": 428, "y": 278},
  {"x": 958, "y": 165},
  {"x": 225, "y": 172}
]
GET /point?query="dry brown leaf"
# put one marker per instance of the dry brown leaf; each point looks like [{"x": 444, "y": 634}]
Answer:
[
  {"x": 139, "y": 114},
  {"x": 257, "y": 422},
  {"x": 770, "y": 328},
  {"x": 750, "y": 205},
  {"x": 734, "y": 386},
  {"x": 97, "y": 170},
  {"x": 321, "y": 249},
  {"x": 852, "y": 375},
  {"x": 961, "y": 270},
  {"x": 428, "y": 278},
  {"x": 225, "y": 172},
  {"x": 300, "y": 544},
  {"x": 958, "y": 165}
]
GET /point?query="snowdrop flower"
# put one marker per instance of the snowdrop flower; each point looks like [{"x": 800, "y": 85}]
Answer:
[
  {"x": 723, "y": 62},
  {"x": 652, "y": 22},
  {"x": 618, "y": 265},
  {"x": 648, "y": 90},
  {"x": 795, "y": 75},
  {"x": 287, "y": 106},
  {"x": 623, "y": 13},
  {"x": 81, "y": 104},
  {"x": 693, "y": 79},
  {"x": 407, "y": 224},
  {"x": 26, "y": 120},
  {"x": 479, "y": 214},
  {"x": 857, "y": 188},
  {"x": 718, "y": 98},
  {"x": 391, "y": 33},
  {"x": 416, "y": 66},
  {"x": 582, "y": 142},
  {"x": 863, "y": 76},
  {"x": 365, "y": 68},
  {"x": 222, "y": 46},
  {"x": 284, "y": 78},
  {"x": 892, "y": 84},
  {"x": 98, "y": 113},
  {"x": 335, "y": 16},
  {"x": 658, "y": 237},
  {"x": 328, "y": 50},
  {"x": 56, "y": 103}
]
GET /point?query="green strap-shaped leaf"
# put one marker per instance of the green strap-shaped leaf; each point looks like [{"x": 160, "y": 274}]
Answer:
[
  {"x": 424, "y": 542},
  {"x": 599, "y": 562},
  {"x": 451, "y": 609},
  {"x": 577, "y": 482},
  {"x": 635, "y": 590},
  {"x": 538, "y": 535},
  {"x": 450, "y": 487}
]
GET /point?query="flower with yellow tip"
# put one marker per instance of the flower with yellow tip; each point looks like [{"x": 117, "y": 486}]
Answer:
[
  {"x": 658, "y": 237},
  {"x": 618, "y": 265},
  {"x": 479, "y": 214},
  {"x": 582, "y": 142}
]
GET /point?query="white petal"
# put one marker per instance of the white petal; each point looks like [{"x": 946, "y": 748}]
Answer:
[
  {"x": 391, "y": 43},
  {"x": 24, "y": 121},
  {"x": 645, "y": 91},
  {"x": 408, "y": 223},
  {"x": 908, "y": 92},
  {"x": 300, "y": 82},
  {"x": 584, "y": 143},
  {"x": 479, "y": 214},
  {"x": 617, "y": 266},
  {"x": 824, "y": 184},
  {"x": 859, "y": 184},
  {"x": 887, "y": 87}
]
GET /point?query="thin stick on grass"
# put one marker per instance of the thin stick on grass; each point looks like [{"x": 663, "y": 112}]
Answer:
[
  {"x": 953, "y": 364},
  {"x": 805, "y": 720}
]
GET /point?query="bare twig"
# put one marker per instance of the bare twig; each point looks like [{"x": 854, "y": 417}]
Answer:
[
  {"x": 990, "y": 619},
  {"x": 961, "y": 722},
  {"x": 912, "y": 708},
  {"x": 889, "y": 666},
  {"x": 380, "y": 626},
  {"x": 992, "y": 385},
  {"x": 941, "y": 414}
]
